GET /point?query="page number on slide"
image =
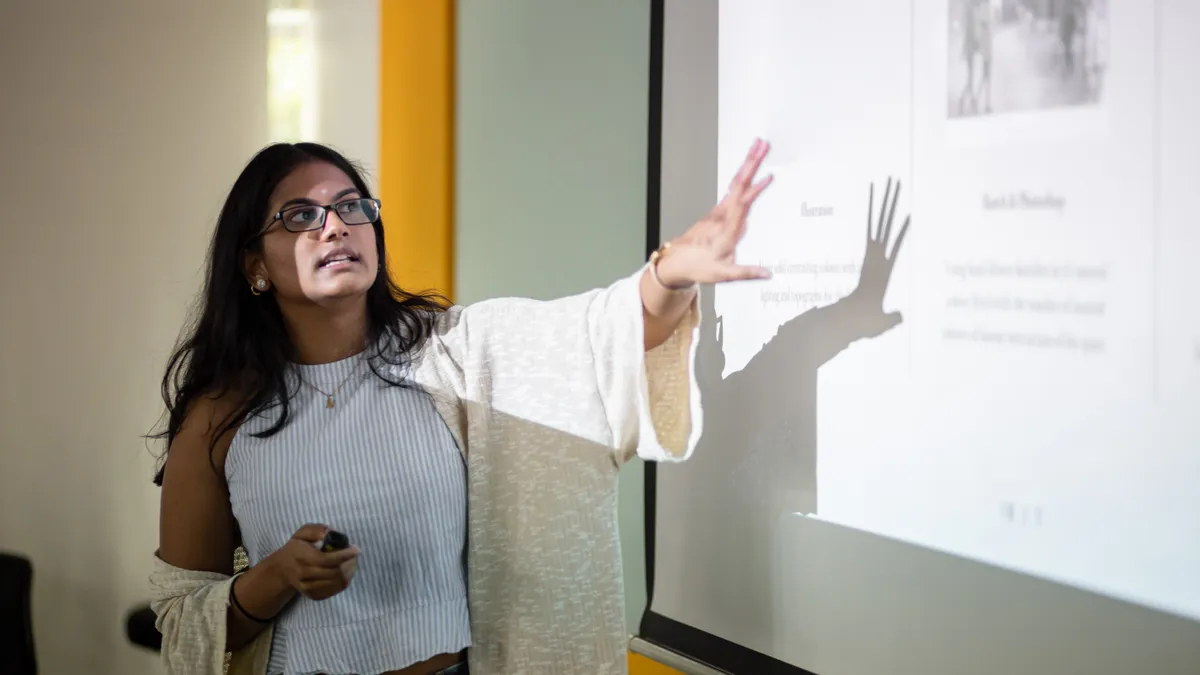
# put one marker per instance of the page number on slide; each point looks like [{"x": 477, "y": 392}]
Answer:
[{"x": 1023, "y": 515}]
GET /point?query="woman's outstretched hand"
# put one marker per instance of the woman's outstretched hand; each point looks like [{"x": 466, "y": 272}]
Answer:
[{"x": 706, "y": 252}]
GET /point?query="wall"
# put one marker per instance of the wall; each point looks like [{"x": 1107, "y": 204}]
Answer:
[
  {"x": 551, "y": 167},
  {"x": 123, "y": 124},
  {"x": 347, "y": 59}
]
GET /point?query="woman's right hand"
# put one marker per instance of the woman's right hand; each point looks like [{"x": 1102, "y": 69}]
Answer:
[{"x": 313, "y": 573}]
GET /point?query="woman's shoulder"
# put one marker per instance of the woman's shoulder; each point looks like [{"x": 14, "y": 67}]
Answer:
[
  {"x": 208, "y": 411},
  {"x": 212, "y": 420}
]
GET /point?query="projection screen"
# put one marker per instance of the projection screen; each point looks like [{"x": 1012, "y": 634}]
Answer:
[{"x": 959, "y": 430}]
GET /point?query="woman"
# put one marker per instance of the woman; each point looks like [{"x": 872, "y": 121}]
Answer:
[{"x": 313, "y": 394}]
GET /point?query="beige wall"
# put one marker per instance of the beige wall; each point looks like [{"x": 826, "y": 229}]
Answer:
[
  {"x": 123, "y": 124},
  {"x": 551, "y": 167},
  {"x": 347, "y": 61}
]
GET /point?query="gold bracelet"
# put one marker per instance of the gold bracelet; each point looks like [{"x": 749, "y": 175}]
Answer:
[{"x": 655, "y": 257}]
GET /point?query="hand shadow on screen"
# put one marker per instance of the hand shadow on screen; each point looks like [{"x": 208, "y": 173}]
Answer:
[{"x": 757, "y": 457}]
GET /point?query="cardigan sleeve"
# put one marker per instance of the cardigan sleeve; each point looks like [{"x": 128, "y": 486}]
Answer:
[
  {"x": 651, "y": 398},
  {"x": 190, "y": 609},
  {"x": 507, "y": 349}
]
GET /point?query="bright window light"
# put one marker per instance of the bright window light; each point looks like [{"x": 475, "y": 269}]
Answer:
[{"x": 292, "y": 93}]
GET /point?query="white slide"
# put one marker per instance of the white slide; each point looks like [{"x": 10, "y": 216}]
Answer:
[{"x": 981, "y": 337}]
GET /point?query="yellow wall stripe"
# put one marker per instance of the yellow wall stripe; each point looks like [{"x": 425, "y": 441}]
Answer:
[
  {"x": 416, "y": 139},
  {"x": 641, "y": 665}
]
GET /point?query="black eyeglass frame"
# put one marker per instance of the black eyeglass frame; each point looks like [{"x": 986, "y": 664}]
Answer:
[
  {"x": 324, "y": 214},
  {"x": 320, "y": 223}
]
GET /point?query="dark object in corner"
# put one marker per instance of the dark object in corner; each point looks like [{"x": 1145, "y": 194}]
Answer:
[
  {"x": 139, "y": 628},
  {"x": 16, "y": 616}
]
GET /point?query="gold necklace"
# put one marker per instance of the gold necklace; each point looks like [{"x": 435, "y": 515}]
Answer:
[{"x": 330, "y": 398}]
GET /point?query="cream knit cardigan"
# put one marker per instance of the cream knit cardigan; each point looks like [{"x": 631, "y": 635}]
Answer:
[{"x": 546, "y": 400}]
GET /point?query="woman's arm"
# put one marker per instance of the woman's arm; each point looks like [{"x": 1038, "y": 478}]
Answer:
[
  {"x": 662, "y": 308},
  {"x": 618, "y": 358},
  {"x": 196, "y": 526}
]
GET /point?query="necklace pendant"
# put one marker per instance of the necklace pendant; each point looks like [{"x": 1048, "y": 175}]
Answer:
[{"x": 329, "y": 402}]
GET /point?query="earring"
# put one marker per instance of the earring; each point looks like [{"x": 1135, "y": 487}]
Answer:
[{"x": 259, "y": 287}]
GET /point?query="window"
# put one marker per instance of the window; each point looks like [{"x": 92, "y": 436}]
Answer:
[{"x": 293, "y": 96}]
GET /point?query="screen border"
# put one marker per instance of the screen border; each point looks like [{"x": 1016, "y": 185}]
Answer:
[{"x": 655, "y": 628}]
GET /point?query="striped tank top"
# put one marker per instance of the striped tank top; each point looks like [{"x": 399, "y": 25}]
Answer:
[{"x": 381, "y": 466}]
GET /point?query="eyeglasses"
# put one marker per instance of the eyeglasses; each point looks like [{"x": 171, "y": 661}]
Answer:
[{"x": 307, "y": 217}]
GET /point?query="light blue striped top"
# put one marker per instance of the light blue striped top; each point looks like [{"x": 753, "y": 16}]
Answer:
[{"x": 381, "y": 466}]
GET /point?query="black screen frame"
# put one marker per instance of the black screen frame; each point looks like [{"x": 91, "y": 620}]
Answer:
[{"x": 657, "y": 629}]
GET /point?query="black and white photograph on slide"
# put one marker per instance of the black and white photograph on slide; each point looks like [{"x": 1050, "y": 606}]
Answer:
[{"x": 1007, "y": 56}]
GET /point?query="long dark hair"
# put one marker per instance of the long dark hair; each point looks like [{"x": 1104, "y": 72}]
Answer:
[{"x": 237, "y": 344}]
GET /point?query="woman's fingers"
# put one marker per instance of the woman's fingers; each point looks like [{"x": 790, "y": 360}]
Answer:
[
  {"x": 322, "y": 570},
  {"x": 755, "y": 190},
  {"x": 335, "y": 558},
  {"x": 745, "y": 175},
  {"x": 322, "y": 582},
  {"x": 311, "y": 533},
  {"x": 734, "y": 272},
  {"x": 318, "y": 566},
  {"x": 323, "y": 589},
  {"x": 729, "y": 215}
]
